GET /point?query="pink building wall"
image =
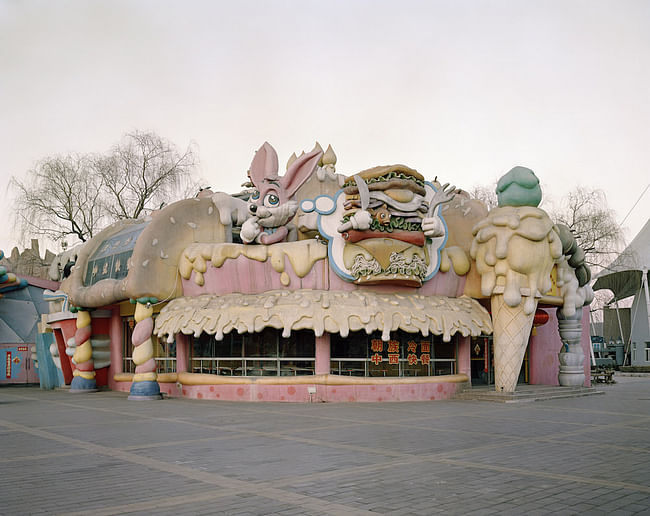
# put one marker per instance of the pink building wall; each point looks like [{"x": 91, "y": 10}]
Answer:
[
  {"x": 183, "y": 343},
  {"x": 248, "y": 276},
  {"x": 331, "y": 393},
  {"x": 464, "y": 356},
  {"x": 323, "y": 355},
  {"x": 544, "y": 347}
]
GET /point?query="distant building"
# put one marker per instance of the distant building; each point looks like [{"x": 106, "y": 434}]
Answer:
[
  {"x": 21, "y": 308},
  {"x": 29, "y": 262},
  {"x": 627, "y": 277}
]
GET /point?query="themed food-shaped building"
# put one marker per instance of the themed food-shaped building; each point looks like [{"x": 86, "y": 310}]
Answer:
[{"x": 312, "y": 285}]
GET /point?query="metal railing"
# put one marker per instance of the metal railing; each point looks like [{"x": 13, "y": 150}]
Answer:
[
  {"x": 253, "y": 366},
  {"x": 296, "y": 366},
  {"x": 365, "y": 367},
  {"x": 163, "y": 365}
]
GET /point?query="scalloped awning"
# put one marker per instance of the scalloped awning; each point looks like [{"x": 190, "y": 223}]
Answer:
[{"x": 323, "y": 311}]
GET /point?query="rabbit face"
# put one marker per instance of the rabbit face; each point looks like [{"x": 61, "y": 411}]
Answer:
[{"x": 270, "y": 211}]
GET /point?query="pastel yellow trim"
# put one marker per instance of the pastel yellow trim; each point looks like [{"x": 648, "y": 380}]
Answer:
[
  {"x": 83, "y": 353},
  {"x": 142, "y": 312},
  {"x": 88, "y": 375},
  {"x": 162, "y": 377},
  {"x": 143, "y": 352},
  {"x": 83, "y": 319},
  {"x": 322, "y": 379},
  {"x": 167, "y": 377},
  {"x": 144, "y": 377}
]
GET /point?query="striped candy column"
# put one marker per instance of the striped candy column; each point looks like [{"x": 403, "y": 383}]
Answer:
[
  {"x": 145, "y": 385},
  {"x": 84, "y": 375}
]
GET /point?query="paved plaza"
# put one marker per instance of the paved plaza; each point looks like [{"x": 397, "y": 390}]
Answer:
[{"x": 101, "y": 454}]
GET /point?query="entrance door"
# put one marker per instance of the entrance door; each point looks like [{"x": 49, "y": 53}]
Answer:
[
  {"x": 16, "y": 364},
  {"x": 482, "y": 361}
]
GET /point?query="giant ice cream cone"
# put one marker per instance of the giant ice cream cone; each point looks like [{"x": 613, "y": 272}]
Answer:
[
  {"x": 515, "y": 248},
  {"x": 511, "y": 332}
]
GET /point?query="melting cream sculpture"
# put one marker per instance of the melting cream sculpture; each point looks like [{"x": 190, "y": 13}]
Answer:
[{"x": 515, "y": 249}]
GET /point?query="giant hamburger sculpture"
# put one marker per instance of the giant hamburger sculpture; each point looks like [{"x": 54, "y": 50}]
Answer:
[{"x": 388, "y": 227}]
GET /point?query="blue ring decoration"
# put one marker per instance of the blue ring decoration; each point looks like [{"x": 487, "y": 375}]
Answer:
[
  {"x": 344, "y": 275},
  {"x": 146, "y": 388},
  {"x": 82, "y": 384},
  {"x": 326, "y": 212},
  {"x": 307, "y": 210}
]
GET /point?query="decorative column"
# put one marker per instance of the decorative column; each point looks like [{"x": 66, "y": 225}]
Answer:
[
  {"x": 322, "y": 364},
  {"x": 116, "y": 334},
  {"x": 84, "y": 375},
  {"x": 182, "y": 352},
  {"x": 145, "y": 380},
  {"x": 571, "y": 355},
  {"x": 464, "y": 357}
]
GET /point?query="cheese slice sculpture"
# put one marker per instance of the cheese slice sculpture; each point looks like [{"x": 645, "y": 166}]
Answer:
[{"x": 515, "y": 248}]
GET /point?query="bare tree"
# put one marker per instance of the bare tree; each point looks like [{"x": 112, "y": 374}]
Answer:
[
  {"x": 59, "y": 197},
  {"x": 486, "y": 194},
  {"x": 79, "y": 194},
  {"x": 586, "y": 213},
  {"x": 142, "y": 172}
]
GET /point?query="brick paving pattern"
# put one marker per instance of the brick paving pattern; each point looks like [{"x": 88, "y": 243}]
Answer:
[{"x": 100, "y": 454}]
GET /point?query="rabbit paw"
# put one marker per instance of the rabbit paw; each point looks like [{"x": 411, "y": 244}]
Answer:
[{"x": 250, "y": 229}]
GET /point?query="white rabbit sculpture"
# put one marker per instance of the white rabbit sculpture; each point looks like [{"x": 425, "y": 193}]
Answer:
[{"x": 270, "y": 205}]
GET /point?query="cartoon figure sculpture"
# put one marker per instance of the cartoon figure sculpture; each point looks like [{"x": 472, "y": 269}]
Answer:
[
  {"x": 384, "y": 226},
  {"x": 271, "y": 206}
]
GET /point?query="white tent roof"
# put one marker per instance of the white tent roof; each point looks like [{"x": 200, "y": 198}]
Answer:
[
  {"x": 637, "y": 255},
  {"x": 623, "y": 276}
]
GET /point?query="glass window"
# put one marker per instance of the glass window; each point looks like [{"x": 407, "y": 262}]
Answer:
[
  {"x": 255, "y": 354},
  {"x": 301, "y": 344},
  {"x": 263, "y": 344},
  {"x": 165, "y": 355},
  {"x": 230, "y": 346},
  {"x": 445, "y": 349},
  {"x": 355, "y": 345},
  {"x": 349, "y": 367},
  {"x": 127, "y": 346},
  {"x": 404, "y": 354}
]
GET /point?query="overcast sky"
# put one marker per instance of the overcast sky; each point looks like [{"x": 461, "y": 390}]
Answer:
[{"x": 462, "y": 90}]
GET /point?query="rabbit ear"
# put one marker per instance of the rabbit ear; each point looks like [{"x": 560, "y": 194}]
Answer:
[
  {"x": 264, "y": 165},
  {"x": 299, "y": 171}
]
